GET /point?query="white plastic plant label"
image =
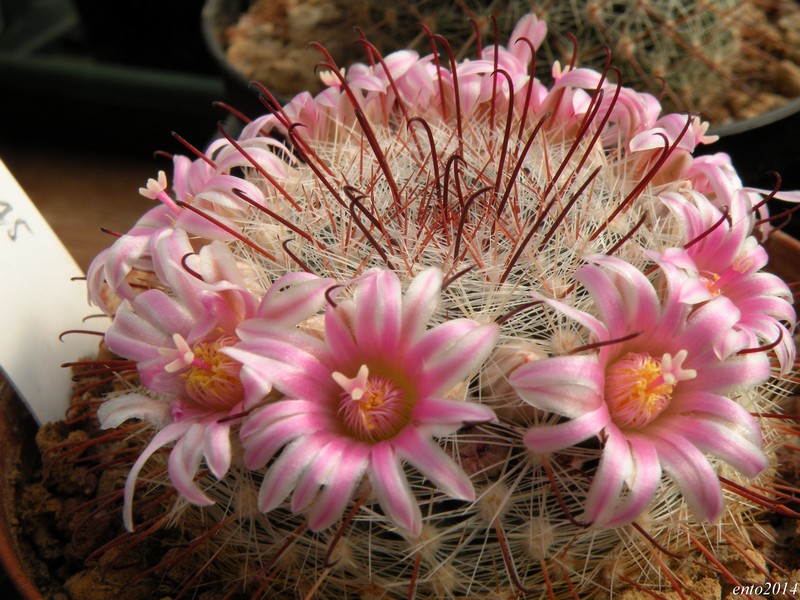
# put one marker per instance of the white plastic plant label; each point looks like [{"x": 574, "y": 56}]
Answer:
[{"x": 39, "y": 300}]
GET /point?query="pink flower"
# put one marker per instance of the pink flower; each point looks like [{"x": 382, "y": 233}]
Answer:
[
  {"x": 216, "y": 197},
  {"x": 210, "y": 300},
  {"x": 192, "y": 178},
  {"x": 110, "y": 273},
  {"x": 123, "y": 270},
  {"x": 656, "y": 398},
  {"x": 175, "y": 336},
  {"x": 686, "y": 134},
  {"x": 715, "y": 176},
  {"x": 723, "y": 258},
  {"x": 628, "y": 115},
  {"x": 371, "y": 394}
]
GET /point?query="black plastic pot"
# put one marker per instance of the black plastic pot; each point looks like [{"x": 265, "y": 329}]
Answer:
[
  {"x": 216, "y": 17},
  {"x": 767, "y": 143}
]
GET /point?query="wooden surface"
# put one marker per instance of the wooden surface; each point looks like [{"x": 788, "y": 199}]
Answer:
[{"x": 80, "y": 191}]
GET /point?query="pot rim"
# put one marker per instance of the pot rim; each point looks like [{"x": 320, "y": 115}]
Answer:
[
  {"x": 216, "y": 16},
  {"x": 744, "y": 125},
  {"x": 11, "y": 559}
]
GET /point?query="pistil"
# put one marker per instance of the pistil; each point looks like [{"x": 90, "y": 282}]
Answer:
[{"x": 373, "y": 407}]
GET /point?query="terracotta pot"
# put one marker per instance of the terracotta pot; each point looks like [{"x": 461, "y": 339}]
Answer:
[
  {"x": 17, "y": 452},
  {"x": 762, "y": 145}
]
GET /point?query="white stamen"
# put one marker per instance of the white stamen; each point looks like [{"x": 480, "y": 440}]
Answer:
[
  {"x": 672, "y": 367},
  {"x": 185, "y": 355},
  {"x": 355, "y": 386},
  {"x": 155, "y": 187}
]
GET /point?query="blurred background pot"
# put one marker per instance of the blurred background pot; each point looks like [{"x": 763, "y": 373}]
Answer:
[
  {"x": 216, "y": 19},
  {"x": 268, "y": 40},
  {"x": 767, "y": 142}
]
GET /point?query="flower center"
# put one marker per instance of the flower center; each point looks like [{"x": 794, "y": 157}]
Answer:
[
  {"x": 373, "y": 407},
  {"x": 712, "y": 283},
  {"x": 639, "y": 387},
  {"x": 212, "y": 379}
]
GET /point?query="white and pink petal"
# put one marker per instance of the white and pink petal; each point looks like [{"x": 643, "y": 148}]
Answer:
[
  {"x": 567, "y": 385},
  {"x": 433, "y": 462},
  {"x": 449, "y": 359},
  {"x": 339, "y": 488},
  {"x": 392, "y": 490},
  {"x": 544, "y": 439},
  {"x": 184, "y": 462},
  {"x": 643, "y": 480},
  {"x": 692, "y": 473},
  {"x": 286, "y": 471},
  {"x": 616, "y": 466}
]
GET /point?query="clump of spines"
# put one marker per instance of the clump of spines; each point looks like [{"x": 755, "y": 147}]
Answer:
[{"x": 686, "y": 49}]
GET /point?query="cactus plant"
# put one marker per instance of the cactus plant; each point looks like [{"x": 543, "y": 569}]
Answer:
[
  {"x": 722, "y": 58},
  {"x": 442, "y": 331}
]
